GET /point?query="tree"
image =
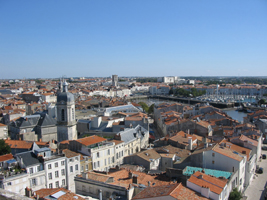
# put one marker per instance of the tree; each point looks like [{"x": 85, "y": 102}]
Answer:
[
  {"x": 262, "y": 101},
  {"x": 235, "y": 195},
  {"x": 151, "y": 109},
  {"x": 4, "y": 148},
  {"x": 144, "y": 106}
]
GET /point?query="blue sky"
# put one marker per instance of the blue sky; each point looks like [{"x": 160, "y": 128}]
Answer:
[{"x": 97, "y": 38}]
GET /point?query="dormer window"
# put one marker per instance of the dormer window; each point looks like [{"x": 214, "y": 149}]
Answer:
[{"x": 62, "y": 115}]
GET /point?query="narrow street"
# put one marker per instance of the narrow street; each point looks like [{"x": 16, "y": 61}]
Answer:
[{"x": 257, "y": 188}]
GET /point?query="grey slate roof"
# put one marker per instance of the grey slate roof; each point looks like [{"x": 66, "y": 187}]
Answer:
[
  {"x": 27, "y": 121},
  {"x": 46, "y": 120},
  {"x": 131, "y": 134},
  {"x": 40, "y": 119},
  {"x": 65, "y": 96},
  {"x": 29, "y": 158},
  {"x": 6, "y": 91}
]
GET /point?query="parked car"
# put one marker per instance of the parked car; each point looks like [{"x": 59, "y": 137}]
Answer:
[
  {"x": 264, "y": 141},
  {"x": 264, "y": 148},
  {"x": 260, "y": 170},
  {"x": 263, "y": 156}
]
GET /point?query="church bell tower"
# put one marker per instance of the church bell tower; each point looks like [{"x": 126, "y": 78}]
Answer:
[{"x": 66, "y": 122}]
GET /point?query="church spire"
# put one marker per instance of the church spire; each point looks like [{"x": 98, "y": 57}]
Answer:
[{"x": 65, "y": 86}]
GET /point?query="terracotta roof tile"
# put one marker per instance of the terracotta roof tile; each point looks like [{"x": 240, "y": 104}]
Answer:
[
  {"x": 91, "y": 140},
  {"x": 69, "y": 154},
  {"x": 6, "y": 157},
  {"x": 215, "y": 185},
  {"x": 42, "y": 193},
  {"x": 122, "y": 176},
  {"x": 19, "y": 144},
  {"x": 227, "y": 152},
  {"x": 177, "y": 191}
]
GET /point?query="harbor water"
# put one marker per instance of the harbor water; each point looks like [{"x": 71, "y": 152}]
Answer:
[{"x": 235, "y": 114}]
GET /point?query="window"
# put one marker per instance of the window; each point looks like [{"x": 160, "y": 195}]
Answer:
[
  {"x": 107, "y": 194},
  {"x": 213, "y": 154},
  {"x": 109, "y": 160},
  {"x": 51, "y": 185},
  {"x": 97, "y": 155},
  {"x": 113, "y": 160},
  {"x": 108, "y": 151},
  {"x": 63, "y": 172},
  {"x": 63, "y": 182},
  {"x": 9, "y": 183},
  {"x": 49, "y": 176},
  {"x": 98, "y": 164},
  {"x": 49, "y": 166},
  {"x": 56, "y": 174},
  {"x": 71, "y": 168},
  {"x": 213, "y": 162},
  {"x": 105, "y": 161},
  {"x": 76, "y": 167},
  {"x": 72, "y": 114},
  {"x": 241, "y": 181},
  {"x": 86, "y": 167},
  {"x": 117, "y": 155},
  {"x": 71, "y": 160},
  {"x": 82, "y": 169},
  {"x": 31, "y": 170},
  {"x": 38, "y": 168},
  {"x": 76, "y": 158},
  {"x": 121, "y": 153},
  {"x": 56, "y": 164},
  {"x": 94, "y": 165},
  {"x": 62, "y": 115},
  {"x": 62, "y": 163},
  {"x": 57, "y": 184},
  {"x": 34, "y": 182}
]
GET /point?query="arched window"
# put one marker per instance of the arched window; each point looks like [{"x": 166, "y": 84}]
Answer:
[
  {"x": 72, "y": 113},
  {"x": 62, "y": 115}
]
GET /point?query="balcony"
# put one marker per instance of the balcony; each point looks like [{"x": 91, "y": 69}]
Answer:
[
  {"x": 42, "y": 172},
  {"x": 102, "y": 146}
]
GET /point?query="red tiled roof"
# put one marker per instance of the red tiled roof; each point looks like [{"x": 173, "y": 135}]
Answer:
[
  {"x": 42, "y": 193},
  {"x": 227, "y": 152},
  {"x": 2, "y": 124},
  {"x": 241, "y": 150},
  {"x": 215, "y": 185},
  {"x": 69, "y": 154},
  {"x": 177, "y": 191},
  {"x": 91, "y": 140},
  {"x": 19, "y": 144},
  {"x": 6, "y": 157}
]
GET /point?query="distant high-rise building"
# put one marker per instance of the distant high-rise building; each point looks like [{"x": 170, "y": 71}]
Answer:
[{"x": 115, "y": 80}]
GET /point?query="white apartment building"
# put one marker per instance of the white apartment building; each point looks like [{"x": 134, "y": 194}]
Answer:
[
  {"x": 55, "y": 171},
  {"x": 118, "y": 152},
  {"x": 43, "y": 170},
  {"x": 167, "y": 79},
  {"x": 221, "y": 157},
  {"x": 73, "y": 168},
  {"x": 159, "y": 90},
  {"x": 101, "y": 151},
  {"x": 134, "y": 139}
]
